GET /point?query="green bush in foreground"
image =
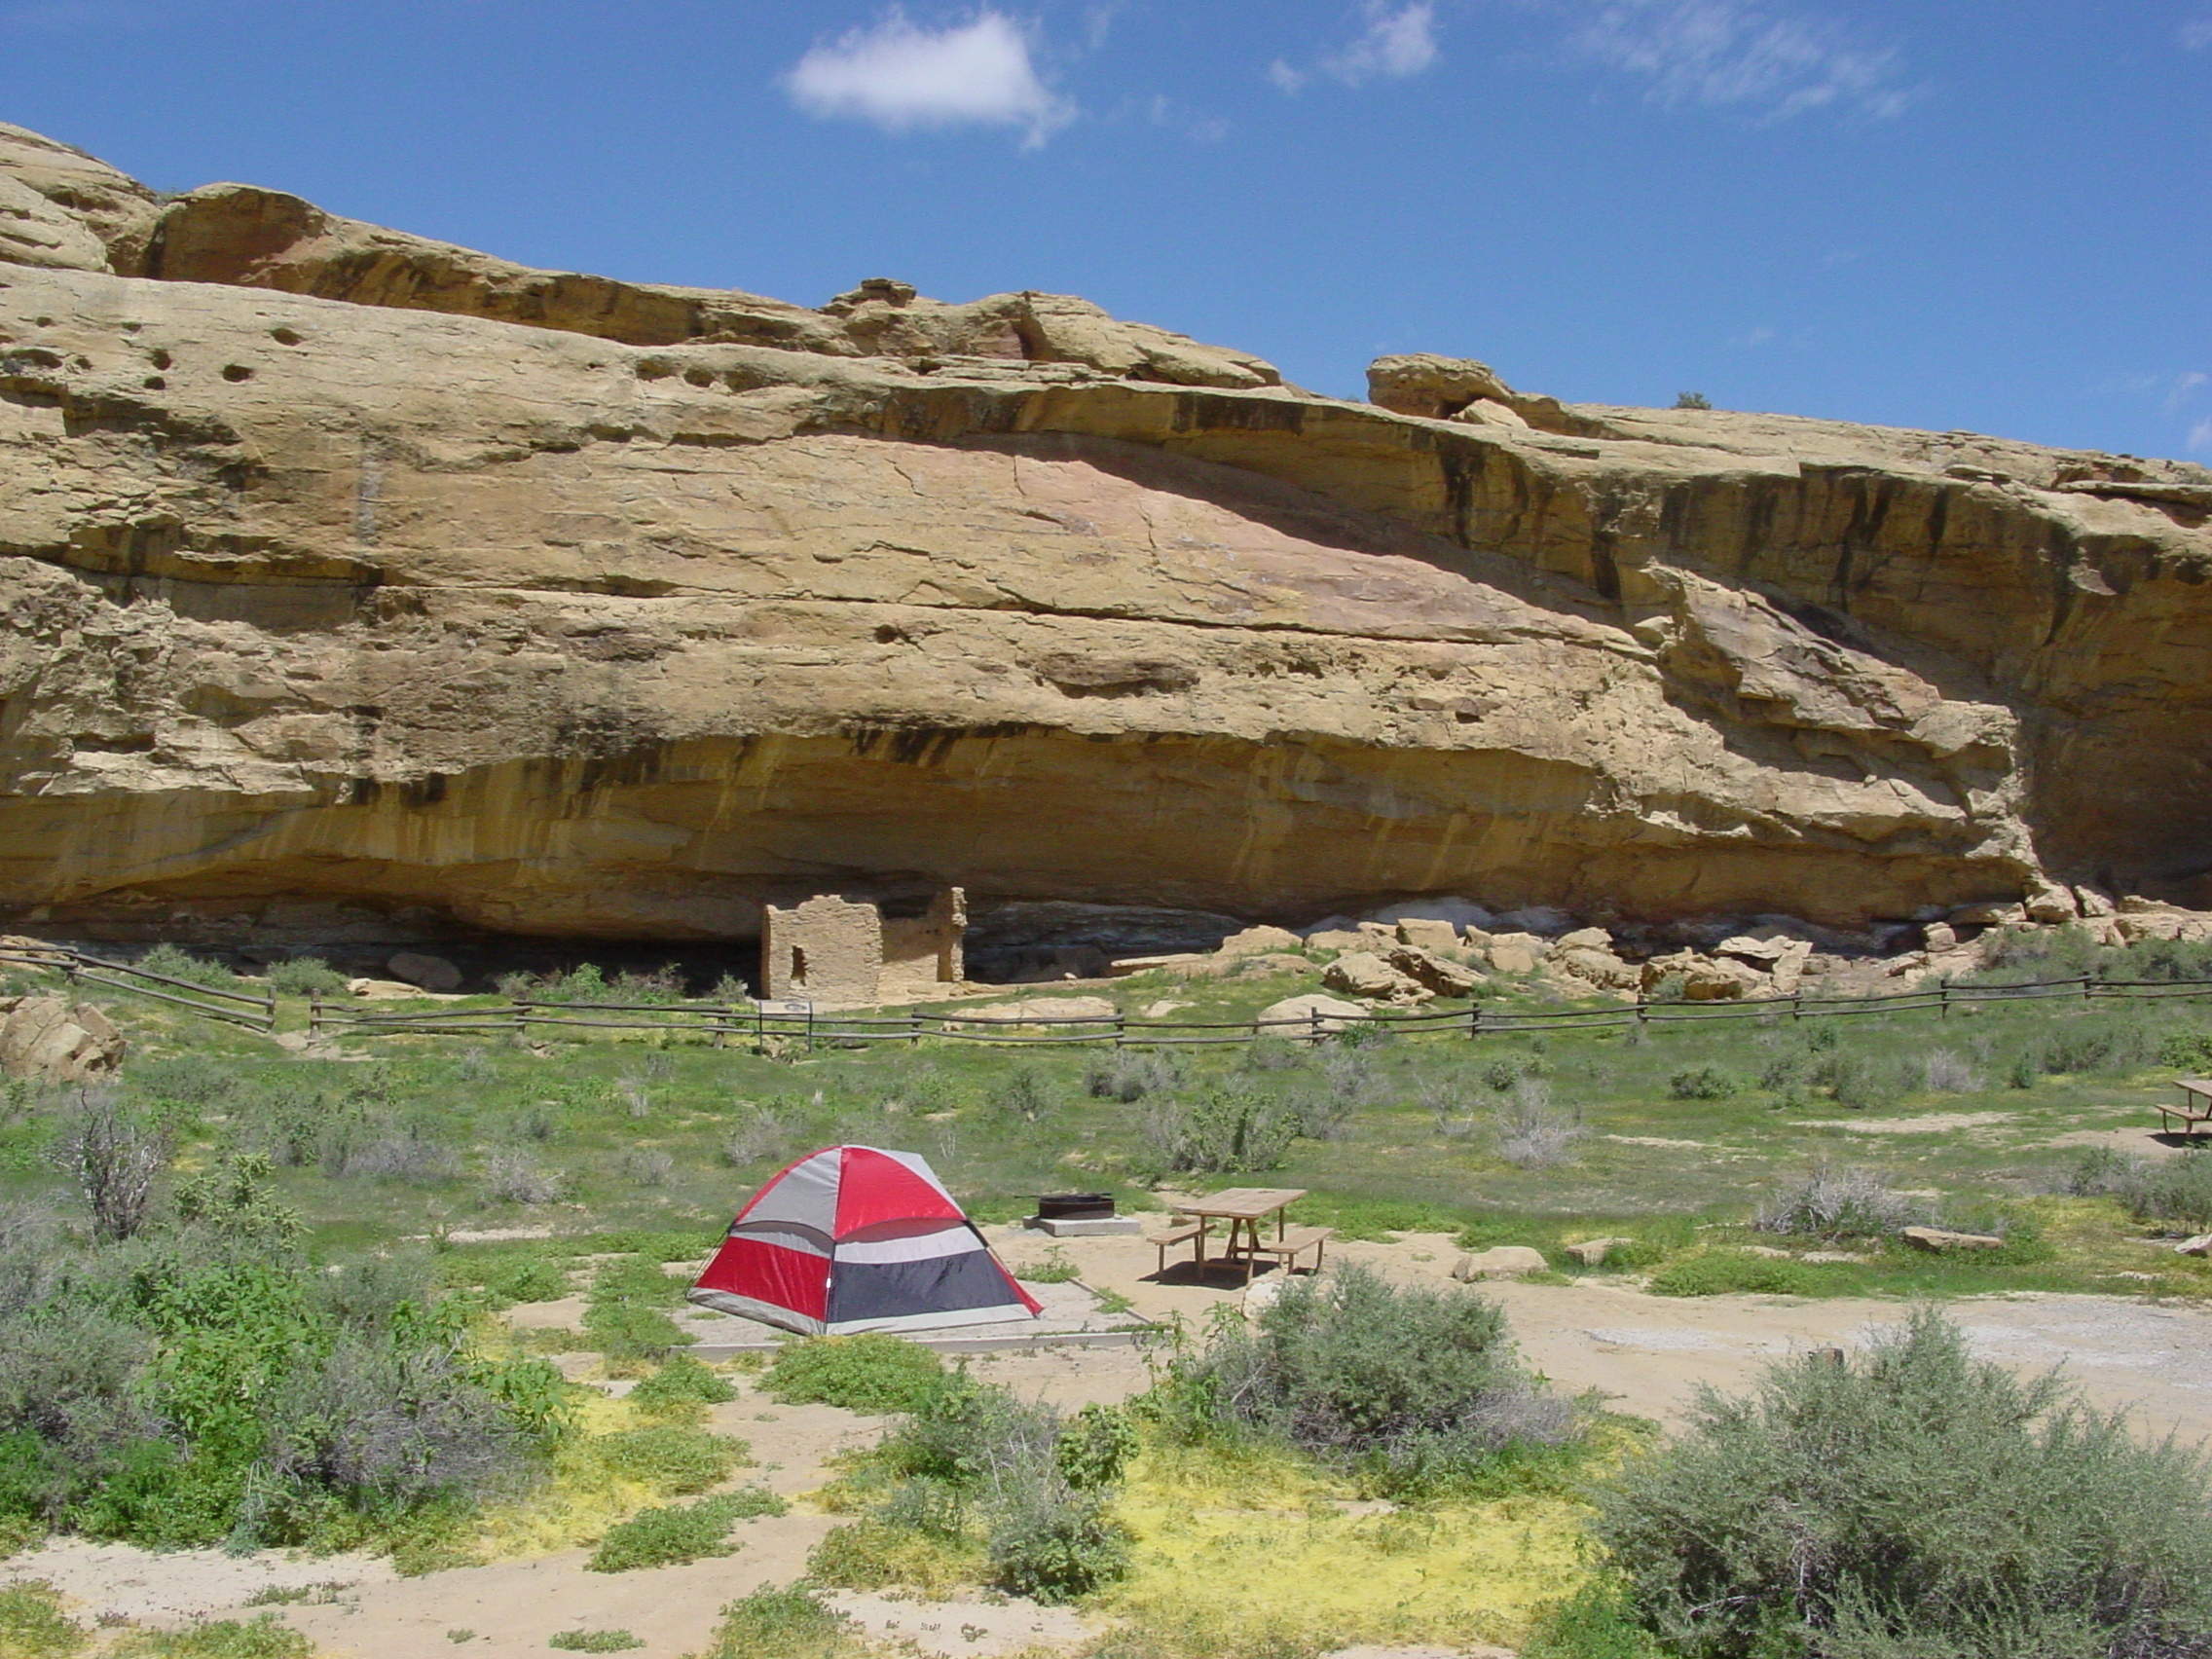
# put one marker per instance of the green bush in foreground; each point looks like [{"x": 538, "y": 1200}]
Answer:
[
  {"x": 1410, "y": 1385},
  {"x": 672, "y": 1457},
  {"x": 222, "y": 1639},
  {"x": 664, "y": 1537},
  {"x": 784, "y": 1624},
  {"x": 680, "y": 1389},
  {"x": 869, "y": 1373},
  {"x": 1914, "y": 1503},
  {"x": 32, "y": 1625},
  {"x": 594, "y": 1640}
]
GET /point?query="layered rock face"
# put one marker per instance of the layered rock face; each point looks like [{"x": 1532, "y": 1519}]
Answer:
[{"x": 360, "y": 586}]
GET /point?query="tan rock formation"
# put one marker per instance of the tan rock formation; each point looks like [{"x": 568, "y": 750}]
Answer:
[
  {"x": 54, "y": 1039},
  {"x": 355, "y": 583}
]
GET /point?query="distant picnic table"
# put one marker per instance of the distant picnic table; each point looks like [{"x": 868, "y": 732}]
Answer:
[
  {"x": 2195, "y": 1106},
  {"x": 1244, "y": 1208}
]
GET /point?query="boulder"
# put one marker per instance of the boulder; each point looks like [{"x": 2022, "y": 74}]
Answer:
[
  {"x": 1276, "y": 963},
  {"x": 1789, "y": 967},
  {"x": 382, "y": 990},
  {"x": 1940, "y": 935},
  {"x": 431, "y": 972},
  {"x": 2053, "y": 906},
  {"x": 2092, "y": 903},
  {"x": 54, "y": 1039},
  {"x": 1600, "y": 968},
  {"x": 1253, "y": 941},
  {"x": 1322, "y": 1013},
  {"x": 1338, "y": 939},
  {"x": 1994, "y": 913},
  {"x": 2200, "y": 1245},
  {"x": 1938, "y": 1239},
  {"x": 1434, "y": 386},
  {"x": 1586, "y": 938},
  {"x": 1122, "y": 966},
  {"x": 1535, "y": 945},
  {"x": 1764, "y": 949},
  {"x": 1514, "y": 959},
  {"x": 1460, "y": 912},
  {"x": 1445, "y": 978},
  {"x": 2185, "y": 926},
  {"x": 1428, "y": 934},
  {"x": 1592, "y": 1252},
  {"x": 1505, "y": 1261},
  {"x": 1363, "y": 974}
]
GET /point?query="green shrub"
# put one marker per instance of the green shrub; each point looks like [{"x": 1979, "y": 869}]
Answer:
[
  {"x": 682, "y": 1388},
  {"x": 2095, "y": 1044},
  {"x": 672, "y": 1457},
  {"x": 1054, "y": 1268},
  {"x": 1094, "y": 1446},
  {"x": 1597, "y": 1622},
  {"x": 221, "y": 1638},
  {"x": 1409, "y": 1384},
  {"x": 1914, "y": 1502},
  {"x": 1377, "y": 1221},
  {"x": 1023, "y": 1097},
  {"x": 790, "y": 1623},
  {"x": 594, "y": 1640},
  {"x": 176, "y": 963},
  {"x": 622, "y": 1317},
  {"x": 666, "y": 1537},
  {"x": 534, "y": 1279},
  {"x": 1732, "y": 1273},
  {"x": 1053, "y": 1544},
  {"x": 32, "y": 1625},
  {"x": 1703, "y": 1082},
  {"x": 2174, "y": 1189},
  {"x": 2187, "y": 1050},
  {"x": 303, "y": 976},
  {"x": 1224, "y": 1131},
  {"x": 882, "y": 1554},
  {"x": 1833, "y": 1204},
  {"x": 871, "y": 1373}
]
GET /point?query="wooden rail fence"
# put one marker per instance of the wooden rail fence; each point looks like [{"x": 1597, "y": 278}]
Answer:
[
  {"x": 758, "y": 1026},
  {"x": 255, "y": 1012}
]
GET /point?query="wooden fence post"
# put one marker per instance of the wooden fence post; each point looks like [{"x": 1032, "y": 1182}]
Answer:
[
  {"x": 273, "y": 1008},
  {"x": 2084, "y": 987},
  {"x": 314, "y": 1015},
  {"x": 1943, "y": 990},
  {"x": 1121, "y": 1030},
  {"x": 1474, "y": 1020},
  {"x": 1313, "y": 1026},
  {"x": 522, "y": 1019}
]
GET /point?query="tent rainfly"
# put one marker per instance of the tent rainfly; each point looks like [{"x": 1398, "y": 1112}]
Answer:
[{"x": 851, "y": 1238}]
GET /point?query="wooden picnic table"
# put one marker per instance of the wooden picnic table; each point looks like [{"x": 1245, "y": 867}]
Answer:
[
  {"x": 2195, "y": 1106},
  {"x": 1244, "y": 1208}
]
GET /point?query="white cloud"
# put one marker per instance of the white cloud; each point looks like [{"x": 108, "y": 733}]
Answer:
[
  {"x": 1739, "y": 53},
  {"x": 902, "y": 77},
  {"x": 2200, "y": 435},
  {"x": 1396, "y": 44},
  {"x": 1751, "y": 339},
  {"x": 2198, "y": 35},
  {"x": 1398, "y": 41},
  {"x": 2185, "y": 385}
]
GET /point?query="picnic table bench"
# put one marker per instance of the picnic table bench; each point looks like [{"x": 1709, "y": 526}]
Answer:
[
  {"x": 1244, "y": 1208},
  {"x": 2195, "y": 1106}
]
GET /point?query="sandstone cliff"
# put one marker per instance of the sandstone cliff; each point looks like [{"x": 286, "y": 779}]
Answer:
[{"x": 358, "y": 581}]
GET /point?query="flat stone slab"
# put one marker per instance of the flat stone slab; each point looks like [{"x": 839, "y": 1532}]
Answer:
[
  {"x": 1101, "y": 1226},
  {"x": 1071, "y": 1318}
]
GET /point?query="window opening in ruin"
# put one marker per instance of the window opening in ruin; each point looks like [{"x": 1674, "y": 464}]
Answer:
[{"x": 799, "y": 966}]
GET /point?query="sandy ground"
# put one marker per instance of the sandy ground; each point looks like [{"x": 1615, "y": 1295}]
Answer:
[{"x": 1650, "y": 1354}]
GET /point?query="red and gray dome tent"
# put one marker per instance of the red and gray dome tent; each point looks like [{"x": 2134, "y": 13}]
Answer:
[{"x": 851, "y": 1238}]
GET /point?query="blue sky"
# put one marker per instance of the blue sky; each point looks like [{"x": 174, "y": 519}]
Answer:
[{"x": 1949, "y": 213}]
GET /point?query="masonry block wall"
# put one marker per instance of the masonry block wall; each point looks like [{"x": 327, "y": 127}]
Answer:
[{"x": 836, "y": 950}]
